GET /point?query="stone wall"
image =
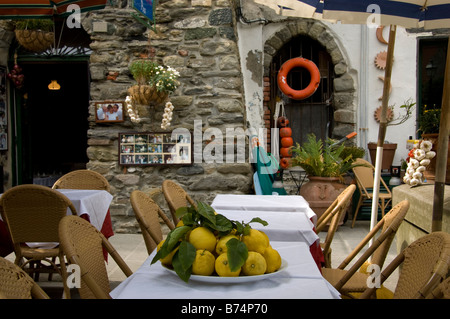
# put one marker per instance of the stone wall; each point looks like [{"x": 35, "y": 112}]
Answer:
[{"x": 198, "y": 39}]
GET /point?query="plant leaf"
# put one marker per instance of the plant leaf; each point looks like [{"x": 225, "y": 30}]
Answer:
[
  {"x": 184, "y": 274},
  {"x": 223, "y": 224},
  {"x": 186, "y": 254},
  {"x": 206, "y": 211},
  {"x": 258, "y": 220},
  {"x": 237, "y": 253},
  {"x": 172, "y": 240}
]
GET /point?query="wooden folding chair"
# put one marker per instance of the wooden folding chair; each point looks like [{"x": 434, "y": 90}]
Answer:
[{"x": 364, "y": 174}]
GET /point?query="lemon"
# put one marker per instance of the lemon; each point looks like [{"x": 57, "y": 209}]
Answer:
[
  {"x": 255, "y": 241},
  {"x": 204, "y": 263},
  {"x": 267, "y": 238},
  {"x": 273, "y": 260},
  {"x": 223, "y": 268},
  {"x": 168, "y": 259},
  {"x": 254, "y": 265},
  {"x": 221, "y": 246},
  {"x": 203, "y": 238}
]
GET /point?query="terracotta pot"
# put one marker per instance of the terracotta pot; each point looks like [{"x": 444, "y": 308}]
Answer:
[
  {"x": 320, "y": 192},
  {"x": 431, "y": 168},
  {"x": 388, "y": 154}
]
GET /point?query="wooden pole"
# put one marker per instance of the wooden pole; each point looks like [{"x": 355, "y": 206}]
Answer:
[
  {"x": 441, "y": 156},
  {"x": 383, "y": 125}
]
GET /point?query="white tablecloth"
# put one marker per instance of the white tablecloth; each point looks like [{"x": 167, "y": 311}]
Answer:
[
  {"x": 301, "y": 279},
  {"x": 286, "y": 203},
  {"x": 94, "y": 203},
  {"x": 282, "y": 226}
]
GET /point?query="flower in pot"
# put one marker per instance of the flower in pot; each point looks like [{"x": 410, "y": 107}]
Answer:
[
  {"x": 154, "y": 82},
  {"x": 429, "y": 121},
  {"x": 35, "y": 35},
  {"x": 325, "y": 164}
]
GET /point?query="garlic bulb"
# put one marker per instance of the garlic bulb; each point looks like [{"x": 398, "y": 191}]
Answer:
[
  {"x": 426, "y": 146},
  {"x": 430, "y": 154}
]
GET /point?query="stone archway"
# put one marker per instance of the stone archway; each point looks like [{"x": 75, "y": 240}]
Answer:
[{"x": 344, "y": 87}]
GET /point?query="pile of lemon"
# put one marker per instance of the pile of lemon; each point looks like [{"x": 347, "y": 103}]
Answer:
[{"x": 211, "y": 253}]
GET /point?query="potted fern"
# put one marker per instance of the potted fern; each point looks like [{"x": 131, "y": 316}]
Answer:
[{"x": 326, "y": 165}]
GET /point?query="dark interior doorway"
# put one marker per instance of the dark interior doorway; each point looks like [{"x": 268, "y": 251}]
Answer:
[{"x": 54, "y": 123}]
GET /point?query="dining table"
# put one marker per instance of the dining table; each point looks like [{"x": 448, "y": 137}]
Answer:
[
  {"x": 282, "y": 226},
  {"x": 274, "y": 203},
  {"x": 91, "y": 205},
  {"x": 298, "y": 278}
]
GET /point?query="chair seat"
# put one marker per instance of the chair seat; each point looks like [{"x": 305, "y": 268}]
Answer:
[
  {"x": 39, "y": 253},
  {"x": 357, "y": 283},
  {"x": 382, "y": 195}
]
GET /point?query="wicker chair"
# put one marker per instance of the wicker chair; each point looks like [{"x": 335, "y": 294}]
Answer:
[
  {"x": 83, "y": 245},
  {"x": 32, "y": 214},
  {"x": 147, "y": 214},
  {"x": 354, "y": 281},
  {"x": 364, "y": 175},
  {"x": 82, "y": 179},
  {"x": 16, "y": 284},
  {"x": 334, "y": 214},
  {"x": 425, "y": 263},
  {"x": 176, "y": 197}
]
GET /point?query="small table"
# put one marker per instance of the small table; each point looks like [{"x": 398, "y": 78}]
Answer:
[
  {"x": 301, "y": 279},
  {"x": 301, "y": 177}
]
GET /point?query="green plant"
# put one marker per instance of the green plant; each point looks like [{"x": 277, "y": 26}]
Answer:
[
  {"x": 35, "y": 24},
  {"x": 321, "y": 159},
  {"x": 143, "y": 70},
  {"x": 408, "y": 107},
  {"x": 429, "y": 120},
  {"x": 203, "y": 215},
  {"x": 148, "y": 72}
]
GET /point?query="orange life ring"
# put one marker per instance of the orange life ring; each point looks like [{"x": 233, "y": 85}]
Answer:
[{"x": 302, "y": 63}]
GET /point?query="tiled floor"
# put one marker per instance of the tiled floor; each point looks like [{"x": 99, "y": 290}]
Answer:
[{"x": 132, "y": 249}]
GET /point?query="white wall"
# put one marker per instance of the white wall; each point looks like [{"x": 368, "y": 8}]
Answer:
[{"x": 360, "y": 46}]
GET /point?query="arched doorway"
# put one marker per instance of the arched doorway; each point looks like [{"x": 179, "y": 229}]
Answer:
[
  {"x": 336, "y": 93},
  {"x": 314, "y": 114}
]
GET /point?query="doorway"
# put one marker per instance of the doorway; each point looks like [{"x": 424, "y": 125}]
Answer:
[
  {"x": 53, "y": 124},
  {"x": 314, "y": 114}
]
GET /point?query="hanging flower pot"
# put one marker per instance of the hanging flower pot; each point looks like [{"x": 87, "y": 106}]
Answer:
[
  {"x": 35, "y": 35},
  {"x": 146, "y": 94}
]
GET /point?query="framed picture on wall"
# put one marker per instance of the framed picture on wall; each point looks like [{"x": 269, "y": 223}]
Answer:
[
  {"x": 109, "y": 111},
  {"x": 155, "y": 148}
]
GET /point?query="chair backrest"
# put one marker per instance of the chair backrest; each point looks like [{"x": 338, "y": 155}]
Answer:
[
  {"x": 33, "y": 212},
  {"x": 343, "y": 199},
  {"x": 176, "y": 197},
  {"x": 342, "y": 202},
  {"x": 147, "y": 214},
  {"x": 17, "y": 284},
  {"x": 426, "y": 263},
  {"x": 388, "y": 225},
  {"x": 364, "y": 174},
  {"x": 83, "y": 245},
  {"x": 442, "y": 291},
  {"x": 82, "y": 179}
]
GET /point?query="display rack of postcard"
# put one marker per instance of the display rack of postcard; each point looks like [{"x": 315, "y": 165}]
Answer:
[{"x": 154, "y": 148}]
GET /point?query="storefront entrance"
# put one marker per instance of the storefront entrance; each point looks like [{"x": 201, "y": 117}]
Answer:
[{"x": 51, "y": 124}]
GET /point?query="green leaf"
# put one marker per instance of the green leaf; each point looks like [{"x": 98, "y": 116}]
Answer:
[
  {"x": 237, "y": 253},
  {"x": 206, "y": 211},
  {"x": 181, "y": 211},
  {"x": 259, "y": 220},
  {"x": 188, "y": 220},
  {"x": 246, "y": 230},
  {"x": 186, "y": 254},
  {"x": 223, "y": 224},
  {"x": 239, "y": 227},
  {"x": 184, "y": 274},
  {"x": 172, "y": 240}
]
